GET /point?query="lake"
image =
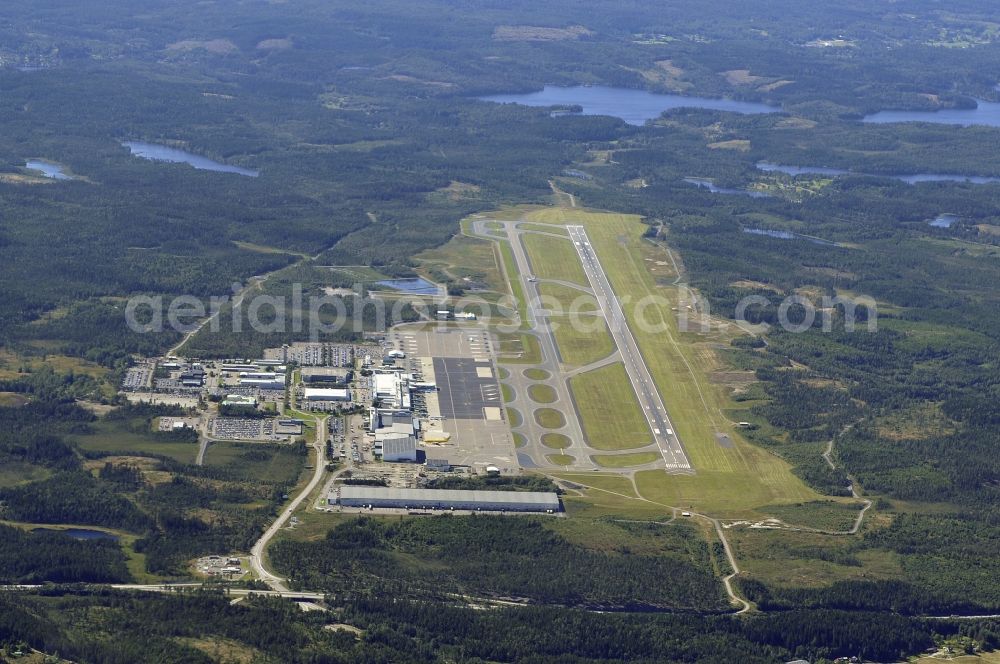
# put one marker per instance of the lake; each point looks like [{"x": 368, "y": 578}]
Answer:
[
  {"x": 769, "y": 167},
  {"x": 987, "y": 113},
  {"x": 788, "y": 235},
  {"x": 632, "y": 106},
  {"x": 944, "y": 220},
  {"x": 708, "y": 184},
  {"x": 156, "y": 152},
  {"x": 48, "y": 169},
  {"x": 418, "y": 286},
  {"x": 78, "y": 533}
]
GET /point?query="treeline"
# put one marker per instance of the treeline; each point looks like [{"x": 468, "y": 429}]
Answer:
[
  {"x": 72, "y": 497},
  {"x": 156, "y": 628},
  {"x": 466, "y": 554}
]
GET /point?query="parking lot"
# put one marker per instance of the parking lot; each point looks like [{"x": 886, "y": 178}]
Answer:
[{"x": 240, "y": 428}]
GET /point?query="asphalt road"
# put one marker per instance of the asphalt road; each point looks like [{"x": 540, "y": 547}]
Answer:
[
  {"x": 663, "y": 430},
  {"x": 273, "y": 581}
]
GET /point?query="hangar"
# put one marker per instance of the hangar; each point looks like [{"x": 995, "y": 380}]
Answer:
[{"x": 445, "y": 499}]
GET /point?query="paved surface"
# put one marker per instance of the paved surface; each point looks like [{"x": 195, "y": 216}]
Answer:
[
  {"x": 538, "y": 317},
  {"x": 459, "y": 359},
  {"x": 642, "y": 382},
  {"x": 466, "y": 387}
]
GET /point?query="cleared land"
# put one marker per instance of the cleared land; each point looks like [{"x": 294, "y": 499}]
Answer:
[
  {"x": 107, "y": 437},
  {"x": 552, "y": 258},
  {"x": 609, "y": 411},
  {"x": 466, "y": 260}
]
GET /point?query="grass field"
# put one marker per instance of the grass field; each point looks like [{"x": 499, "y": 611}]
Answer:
[
  {"x": 514, "y": 282},
  {"x": 12, "y": 399},
  {"x": 612, "y": 419},
  {"x": 560, "y": 298},
  {"x": 821, "y": 514},
  {"x": 519, "y": 440},
  {"x": 466, "y": 257},
  {"x": 560, "y": 459},
  {"x": 536, "y": 374},
  {"x": 542, "y": 393},
  {"x": 552, "y": 258},
  {"x": 556, "y": 441},
  {"x": 507, "y": 392},
  {"x": 519, "y": 348},
  {"x": 579, "y": 346},
  {"x": 13, "y": 473},
  {"x": 728, "y": 479},
  {"x": 625, "y": 460},
  {"x": 811, "y": 560},
  {"x": 515, "y": 417},
  {"x": 277, "y": 465},
  {"x": 113, "y": 438},
  {"x": 550, "y": 418},
  {"x": 555, "y": 229},
  {"x": 608, "y": 494}
]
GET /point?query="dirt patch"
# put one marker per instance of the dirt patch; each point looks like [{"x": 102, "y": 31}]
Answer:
[
  {"x": 216, "y": 46},
  {"x": 770, "y": 87},
  {"x": 406, "y": 78},
  {"x": 738, "y": 144},
  {"x": 457, "y": 191},
  {"x": 538, "y": 33},
  {"x": 16, "y": 178},
  {"x": 670, "y": 68},
  {"x": 987, "y": 229},
  {"x": 796, "y": 123},
  {"x": 342, "y": 627},
  {"x": 733, "y": 377},
  {"x": 99, "y": 409},
  {"x": 755, "y": 285}
]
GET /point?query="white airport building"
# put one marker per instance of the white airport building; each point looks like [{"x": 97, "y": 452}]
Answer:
[
  {"x": 444, "y": 499},
  {"x": 316, "y": 394}
]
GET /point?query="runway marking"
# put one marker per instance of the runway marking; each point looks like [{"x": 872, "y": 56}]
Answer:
[{"x": 635, "y": 365}]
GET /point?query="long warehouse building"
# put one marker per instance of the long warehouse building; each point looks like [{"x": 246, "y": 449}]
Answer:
[{"x": 445, "y": 499}]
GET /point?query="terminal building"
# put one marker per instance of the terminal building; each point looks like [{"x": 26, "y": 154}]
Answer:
[
  {"x": 444, "y": 499},
  {"x": 391, "y": 389}
]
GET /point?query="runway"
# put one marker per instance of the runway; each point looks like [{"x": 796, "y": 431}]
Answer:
[{"x": 663, "y": 430}]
